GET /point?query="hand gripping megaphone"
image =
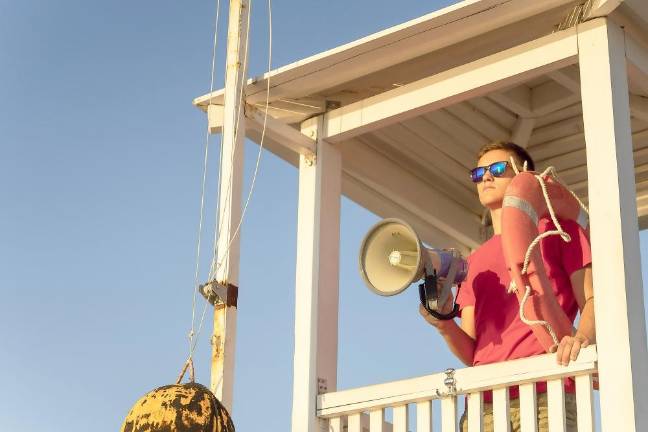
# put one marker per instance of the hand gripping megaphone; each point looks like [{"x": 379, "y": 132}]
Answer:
[{"x": 392, "y": 257}]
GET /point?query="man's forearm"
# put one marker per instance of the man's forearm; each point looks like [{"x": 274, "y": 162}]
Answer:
[
  {"x": 459, "y": 342},
  {"x": 586, "y": 325}
]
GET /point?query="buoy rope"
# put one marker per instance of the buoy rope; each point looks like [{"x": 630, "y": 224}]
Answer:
[
  {"x": 203, "y": 185},
  {"x": 550, "y": 171}
]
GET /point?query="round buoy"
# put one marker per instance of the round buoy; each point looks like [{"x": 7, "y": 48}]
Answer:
[{"x": 187, "y": 407}]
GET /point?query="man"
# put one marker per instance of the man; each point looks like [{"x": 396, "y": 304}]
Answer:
[{"x": 490, "y": 329}]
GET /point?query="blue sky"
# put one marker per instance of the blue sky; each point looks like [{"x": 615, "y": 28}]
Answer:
[{"x": 100, "y": 167}]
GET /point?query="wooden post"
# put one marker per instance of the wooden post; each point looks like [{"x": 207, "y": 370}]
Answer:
[
  {"x": 224, "y": 336},
  {"x": 618, "y": 288},
  {"x": 317, "y": 275}
]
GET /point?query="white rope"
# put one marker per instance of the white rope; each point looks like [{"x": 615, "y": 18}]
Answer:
[
  {"x": 241, "y": 102},
  {"x": 202, "y": 193},
  {"x": 527, "y": 257},
  {"x": 215, "y": 266},
  {"x": 261, "y": 144}
]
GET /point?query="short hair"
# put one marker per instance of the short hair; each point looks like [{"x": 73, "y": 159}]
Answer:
[{"x": 520, "y": 153}]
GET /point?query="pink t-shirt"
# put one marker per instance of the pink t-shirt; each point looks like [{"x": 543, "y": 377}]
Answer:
[{"x": 500, "y": 334}]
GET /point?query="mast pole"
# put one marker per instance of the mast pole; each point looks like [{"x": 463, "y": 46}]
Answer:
[{"x": 227, "y": 270}]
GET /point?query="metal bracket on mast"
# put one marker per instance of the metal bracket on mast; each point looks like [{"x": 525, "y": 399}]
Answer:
[{"x": 217, "y": 293}]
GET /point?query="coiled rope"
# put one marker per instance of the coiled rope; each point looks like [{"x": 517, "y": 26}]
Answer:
[{"x": 558, "y": 231}]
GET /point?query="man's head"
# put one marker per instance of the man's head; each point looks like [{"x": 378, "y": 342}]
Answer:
[{"x": 494, "y": 177}]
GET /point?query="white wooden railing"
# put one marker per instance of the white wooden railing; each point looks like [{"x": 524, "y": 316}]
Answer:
[{"x": 363, "y": 409}]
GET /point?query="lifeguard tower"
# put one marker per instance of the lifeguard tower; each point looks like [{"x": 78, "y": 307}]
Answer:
[{"x": 393, "y": 121}]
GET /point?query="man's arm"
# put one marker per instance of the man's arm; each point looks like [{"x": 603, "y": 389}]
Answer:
[
  {"x": 570, "y": 346},
  {"x": 460, "y": 339}
]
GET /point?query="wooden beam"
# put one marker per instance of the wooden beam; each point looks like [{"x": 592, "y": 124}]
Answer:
[
  {"x": 550, "y": 97},
  {"x": 317, "y": 277},
  {"x": 637, "y": 56},
  {"x": 620, "y": 315},
  {"x": 279, "y": 132},
  {"x": 522, "y": 131},
  {"x": 601, "y": 8},
  {"x": 568, "y": 77},
  {"x": 360, "y": 190},
  {"x": 517, "y": 99},
  {"x": 413, "y": 193},
  {"x": 639, "y": 107},
  {"x": 479, "y": 121},
  {"x": 474, "y": 79}
]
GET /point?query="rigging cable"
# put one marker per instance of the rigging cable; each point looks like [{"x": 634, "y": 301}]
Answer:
[{"x": 216, "y": 265}]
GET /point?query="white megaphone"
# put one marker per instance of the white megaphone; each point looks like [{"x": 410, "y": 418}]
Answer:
[{"x": 392, "y": 257}]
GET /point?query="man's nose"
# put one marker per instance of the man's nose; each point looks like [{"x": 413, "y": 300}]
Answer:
[{"x": 487, "y": 176}]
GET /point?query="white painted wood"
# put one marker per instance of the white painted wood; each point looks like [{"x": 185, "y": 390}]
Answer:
[
  {"x": 637, "y": 56},
  {"x": 639, "y": 107},
  {"x": 474, "y": 79},
  {"x": 479, "y": 120},
  {"x": 449, "y": 414},
  {"x": 229, "y": 208},
  {"x": 335, "y": 424},
  {"x": 528, "y": 408},
  {"x": 280, "y": 132},
  {"x": 376, "y": 420},
  {"x": 411, "y": 192},
  {"x": 317, "y": 275},
  {"x": 475, "y": 412},
  {"x": 439, "y": 29},
  {"x": 501, "y": 413},
  {"x": 601, "y": 8},
  {"x": 465, "y": 136},
  {"x": 215, "y": 117},
  {"x": 353, "y": 423},
  {"x": 401, "y": 422},
  {"x": 423, "y": 416},
  {"x": 472, "y": 379},
  {"x": 550, "y": 97},
  {"x": 522, "y": 131},
  {"x": 568, "y": 77},
  {"x": 556, "y": 405},
  {"x": 503, "y": 116},
  {"x": 620, "y": 321},
  {"x": 517, "y": 99},
  {"x": 584, "y": 403}
]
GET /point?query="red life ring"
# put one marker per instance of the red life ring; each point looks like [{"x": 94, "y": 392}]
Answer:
[{"x": 529, "y": 198}]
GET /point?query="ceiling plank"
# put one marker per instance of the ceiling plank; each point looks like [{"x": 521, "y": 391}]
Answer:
[{"x": 474, "y": 79}]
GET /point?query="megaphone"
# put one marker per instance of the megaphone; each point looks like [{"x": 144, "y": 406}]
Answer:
[{"x": 392, "y": 257}]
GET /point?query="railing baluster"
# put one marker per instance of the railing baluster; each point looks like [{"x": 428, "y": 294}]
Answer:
[
  {"x": 376, "y": 420},
  {"x": 584, "y": 403},
  {"x": 449, "y": 414},
  {"x": 475, "y": 412},
  {"x": 528, "y": 408},
  {"x": 423, "y": 416},
  {"x": 556, "y": 405},
  {"x": 501, "y": 415},
  {"x": 335, "y": 424},
  {"x": 353, "y": 423},
  {"x": 401, "y": 423}
]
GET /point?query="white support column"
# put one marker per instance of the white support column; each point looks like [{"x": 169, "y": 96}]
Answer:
[
  {"x": 619, "y": 304},
  {"x": 227, "y": 272},
  {"x": 316, "y": 296}
]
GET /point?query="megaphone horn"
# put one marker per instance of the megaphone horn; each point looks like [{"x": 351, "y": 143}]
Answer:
[{"x": 392, "y": 257}]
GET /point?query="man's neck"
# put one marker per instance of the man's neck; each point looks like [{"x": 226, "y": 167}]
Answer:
[{"x": 496, "y": 218}]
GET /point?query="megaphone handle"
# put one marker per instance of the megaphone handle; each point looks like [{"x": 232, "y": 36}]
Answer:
[
  {"x": 444, "y": 317},
  {"x": 424, "y": 301}
]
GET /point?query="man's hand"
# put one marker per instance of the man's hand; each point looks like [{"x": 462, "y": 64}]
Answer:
[
  {"x": 446, "y": 309},
  {"x": 569, "y": 348}
]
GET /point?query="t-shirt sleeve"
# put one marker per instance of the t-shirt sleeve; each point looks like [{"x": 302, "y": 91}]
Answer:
[
  {"x": 577, "y": 253},
  {"x": 466, "y": 294}
]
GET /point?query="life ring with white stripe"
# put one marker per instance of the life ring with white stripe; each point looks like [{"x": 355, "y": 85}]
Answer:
[{"x": 529, "y": 198}]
